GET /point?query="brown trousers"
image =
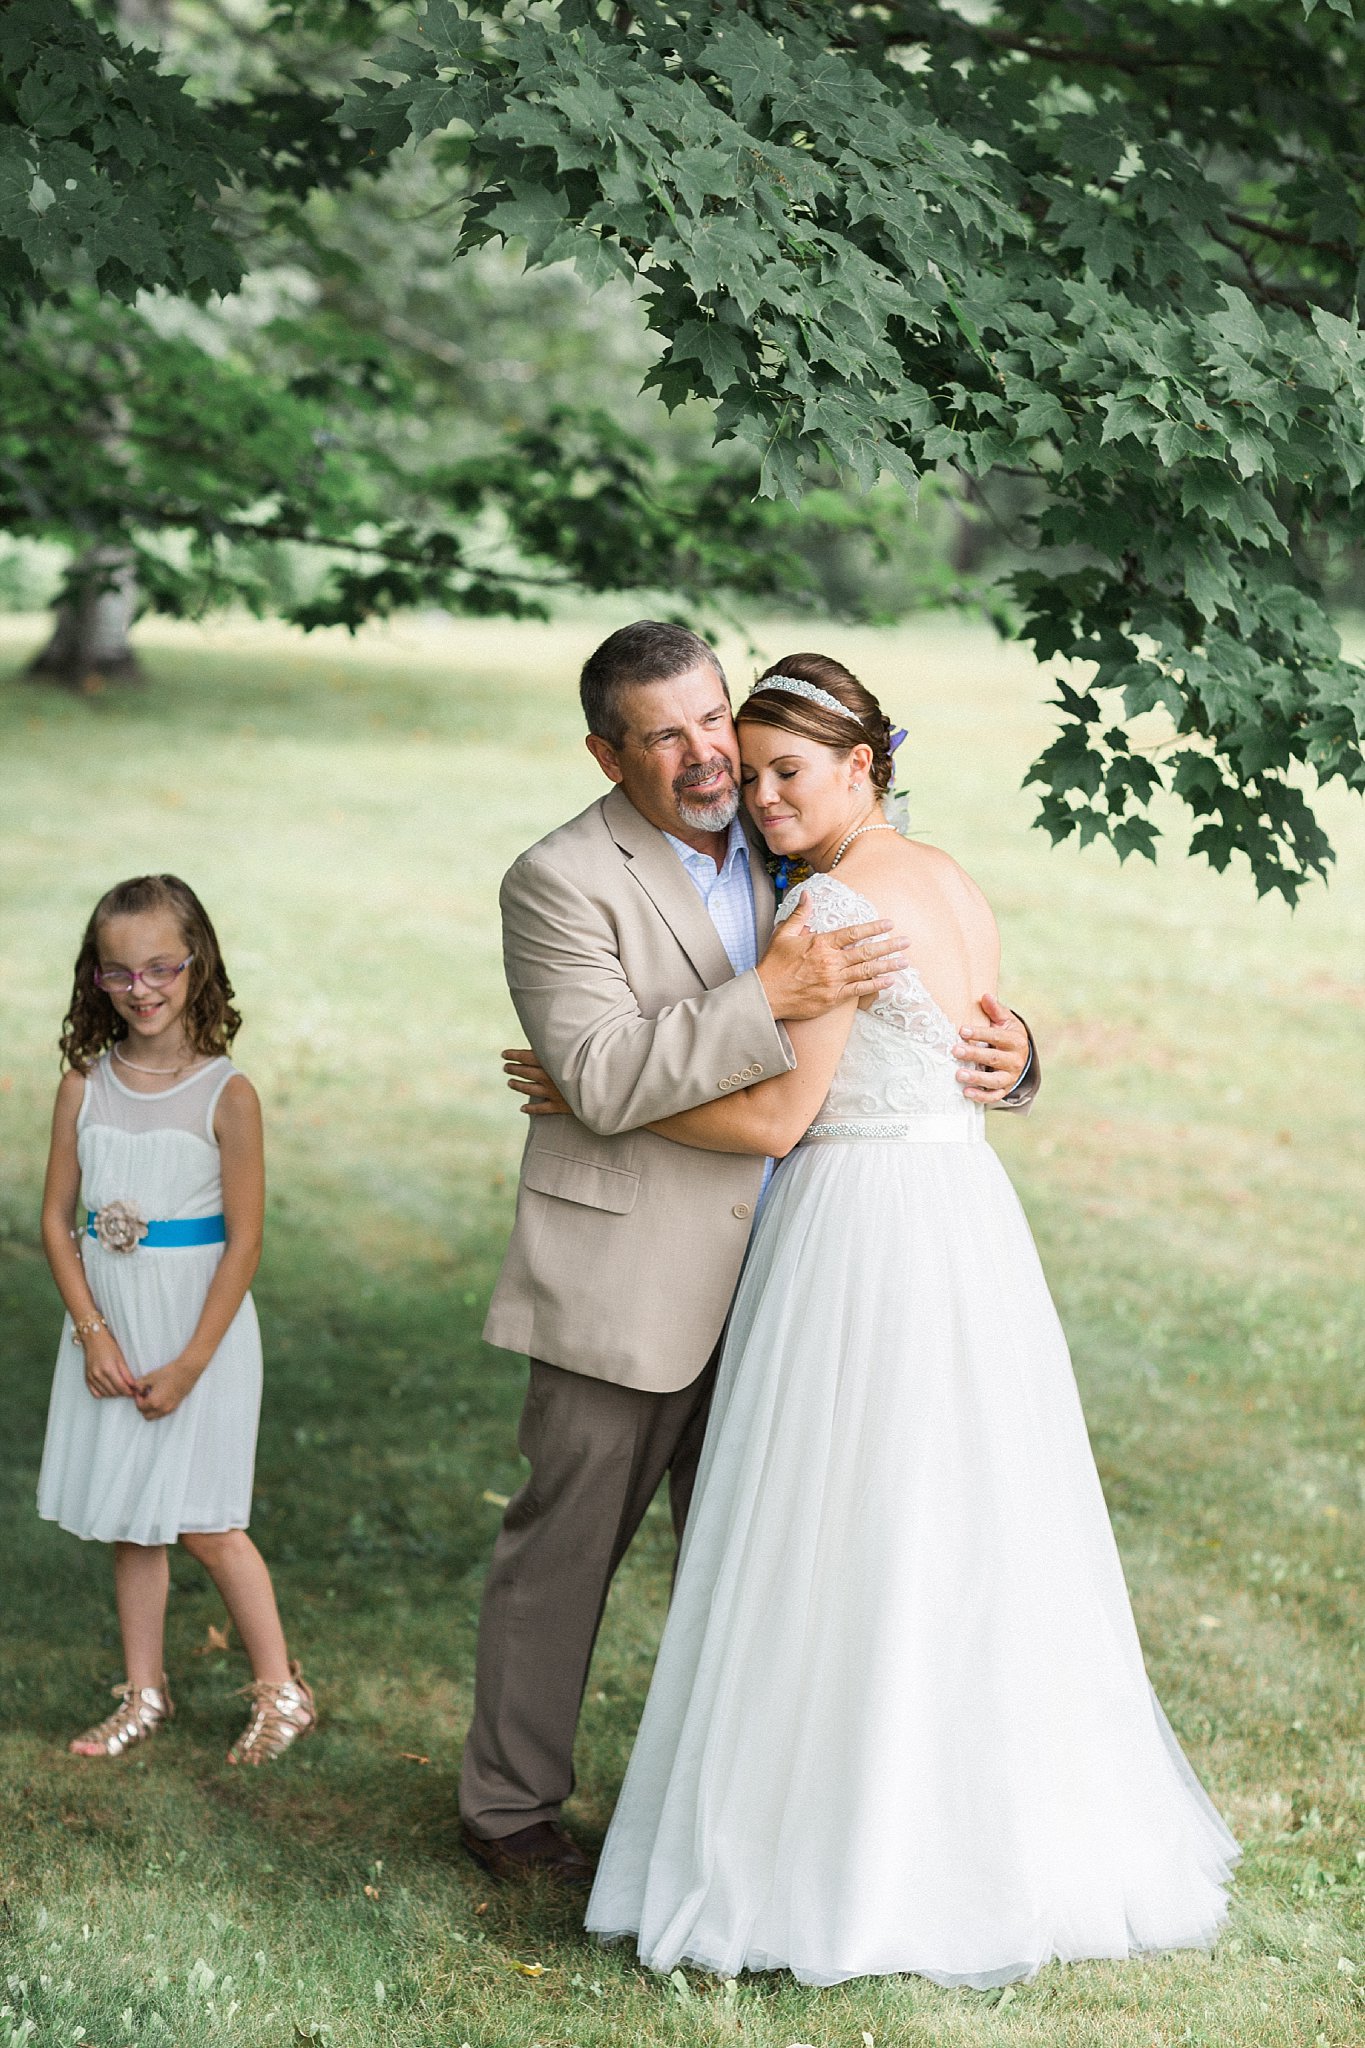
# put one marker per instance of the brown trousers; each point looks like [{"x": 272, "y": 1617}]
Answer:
[{"x": 598, "y": 1454}]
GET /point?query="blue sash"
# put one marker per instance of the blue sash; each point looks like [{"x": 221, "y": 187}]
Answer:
[{"x": 174, "y": 1232}]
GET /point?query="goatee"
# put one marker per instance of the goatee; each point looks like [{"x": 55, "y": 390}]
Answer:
[{"x": 717, "y": 816}]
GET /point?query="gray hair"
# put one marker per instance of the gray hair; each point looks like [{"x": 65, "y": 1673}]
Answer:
[{"x": 649, "y": 651}]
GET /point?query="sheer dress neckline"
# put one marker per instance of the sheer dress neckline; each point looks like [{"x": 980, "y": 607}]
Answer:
[{"x": 159, "y": 1094}]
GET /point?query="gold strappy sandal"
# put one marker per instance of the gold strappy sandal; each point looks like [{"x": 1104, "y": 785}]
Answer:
[
  {"x": 280, "y": 1715},
  {"x": 138, "y": 1715}
]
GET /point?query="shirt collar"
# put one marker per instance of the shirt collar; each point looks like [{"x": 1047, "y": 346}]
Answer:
[{"x": 736, "y": 849}]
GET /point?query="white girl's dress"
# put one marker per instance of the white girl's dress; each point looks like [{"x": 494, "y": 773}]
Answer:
[
  {"x": 900, "y": 1719},
  {"x": 107, "y": 1473}
]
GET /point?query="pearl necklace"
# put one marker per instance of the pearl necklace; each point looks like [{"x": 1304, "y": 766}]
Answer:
[
  {"x": 844, "y": 844},
  {"x": 134, "y": 1068}
]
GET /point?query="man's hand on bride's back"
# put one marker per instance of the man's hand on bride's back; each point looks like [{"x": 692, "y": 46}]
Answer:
[{"x": 806, "y": 974}]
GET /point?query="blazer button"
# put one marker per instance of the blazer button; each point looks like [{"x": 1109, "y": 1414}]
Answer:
[{"x": 741, "y": 1209}]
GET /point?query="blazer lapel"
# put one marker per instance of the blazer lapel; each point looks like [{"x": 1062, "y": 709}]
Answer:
[
  {"x": 669, "y": 888},
  {"x": 765, "y": 896}
]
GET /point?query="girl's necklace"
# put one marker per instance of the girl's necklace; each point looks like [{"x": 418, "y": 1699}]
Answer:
[
  {"x": 844, "y": 844},
  {"x": 133, "y": 1066}
]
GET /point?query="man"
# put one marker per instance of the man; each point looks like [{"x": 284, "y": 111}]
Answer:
[{"x": 640, "y": 956}]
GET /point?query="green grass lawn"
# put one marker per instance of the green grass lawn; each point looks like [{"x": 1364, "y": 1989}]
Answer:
[{"x": 1194, "y": 1178}]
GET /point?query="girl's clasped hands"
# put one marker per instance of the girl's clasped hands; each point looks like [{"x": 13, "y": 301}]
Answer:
[{"x": 107, "y": 1374}]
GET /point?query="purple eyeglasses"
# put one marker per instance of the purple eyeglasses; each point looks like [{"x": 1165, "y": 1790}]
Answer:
[{"x": 120, "y": 981}]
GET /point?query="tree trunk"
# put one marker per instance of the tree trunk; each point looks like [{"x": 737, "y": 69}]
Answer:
[
  {"x": 89, "y": 644},
  {"x": 971, "y": 535}
]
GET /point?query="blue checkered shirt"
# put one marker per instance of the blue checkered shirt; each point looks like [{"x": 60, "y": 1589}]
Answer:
[{"x": 728, "y": 893}]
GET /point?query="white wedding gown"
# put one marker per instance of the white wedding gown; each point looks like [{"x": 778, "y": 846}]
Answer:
[{"x": 900, "y": 1719}]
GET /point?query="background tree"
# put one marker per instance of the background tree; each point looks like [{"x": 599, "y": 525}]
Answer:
[
  {"x": 264, "y": 382},
  {"x": 1111, "y": 252},
  {"x": 1092, "y": 267}
]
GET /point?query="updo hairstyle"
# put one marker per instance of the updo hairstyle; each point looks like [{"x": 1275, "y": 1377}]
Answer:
[{"x": 865, "y": 722}]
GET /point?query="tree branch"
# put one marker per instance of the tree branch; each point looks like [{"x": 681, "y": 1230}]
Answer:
[
  {"x": 1269, "y": 294},
  {"x": 1133, "y": 58},
  {"x": 1342, "y": 250}
]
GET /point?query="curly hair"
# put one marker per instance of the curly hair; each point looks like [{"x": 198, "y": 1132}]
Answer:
[
  {"x": 790, "y": 713},
  {"x": 92, "y": 1024}
]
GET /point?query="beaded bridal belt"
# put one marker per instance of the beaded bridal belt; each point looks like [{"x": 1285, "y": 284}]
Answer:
[{"x": 945, "y": 1128}]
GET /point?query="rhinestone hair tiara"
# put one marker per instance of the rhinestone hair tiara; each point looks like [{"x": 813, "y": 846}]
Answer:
[{"x": 796, "y": 687}]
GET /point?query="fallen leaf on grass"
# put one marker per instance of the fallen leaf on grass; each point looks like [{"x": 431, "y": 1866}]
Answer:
[
  {"x": 529, "y": 1969},
  {"x": 372, "y": 1891},
  {"x": 482, "y": 1907},
  {"x": 497, "y": 1500},
  {"x": 215, "y": 1641},
  {"x": 410, "y": 1756}
]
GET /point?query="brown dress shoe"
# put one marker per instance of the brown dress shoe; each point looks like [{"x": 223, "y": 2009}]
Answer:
[{"x": 543, "y": 1850}]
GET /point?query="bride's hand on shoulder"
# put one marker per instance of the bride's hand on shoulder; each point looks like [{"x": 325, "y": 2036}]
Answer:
[{"x": 526, "y": 1076}]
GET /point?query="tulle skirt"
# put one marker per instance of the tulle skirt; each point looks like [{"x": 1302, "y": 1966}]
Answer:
[{"x": 900, "y": 1719}]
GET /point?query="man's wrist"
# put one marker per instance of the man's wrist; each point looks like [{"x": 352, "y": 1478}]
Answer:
[
  {"x": 1028, "y": 1063},
  {"x": 1013, "y": 1090},
  {"x": 772, "y": 991}
]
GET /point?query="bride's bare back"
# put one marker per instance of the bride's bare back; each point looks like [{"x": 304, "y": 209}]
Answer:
[{"x": 951, "y": 932}]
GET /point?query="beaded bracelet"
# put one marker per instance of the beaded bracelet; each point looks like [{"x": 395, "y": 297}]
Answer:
[{"x": 87, "y": 1328}]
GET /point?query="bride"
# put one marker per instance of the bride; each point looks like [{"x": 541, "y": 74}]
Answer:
[{"x": 900, "y": 1719}]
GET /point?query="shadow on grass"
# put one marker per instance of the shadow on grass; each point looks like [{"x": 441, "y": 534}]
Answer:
[{"x": 1198, "y": 1236}]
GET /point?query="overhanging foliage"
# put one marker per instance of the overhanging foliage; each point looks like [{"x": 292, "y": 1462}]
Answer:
[
  {"x": 1112, "y": 253},
  {"x": 204, "y": 456},
  {"x": 1116, "y": 249},
  {"x": 114, "y": 431}
]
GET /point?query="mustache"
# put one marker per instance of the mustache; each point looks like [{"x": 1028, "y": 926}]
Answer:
[{"x": 701, "y": 771}]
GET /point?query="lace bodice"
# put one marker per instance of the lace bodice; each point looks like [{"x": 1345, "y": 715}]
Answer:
[{"x": 898, "y": 1061}]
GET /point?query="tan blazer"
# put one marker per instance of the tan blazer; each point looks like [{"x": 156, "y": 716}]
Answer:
[{"x": 626, "y": 1248}]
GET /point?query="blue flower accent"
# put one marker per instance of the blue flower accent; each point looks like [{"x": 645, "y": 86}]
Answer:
[{"x": 786, "y": 872}]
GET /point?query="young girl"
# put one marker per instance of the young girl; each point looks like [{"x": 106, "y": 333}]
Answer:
[{"x": 151, "y": 1433}]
